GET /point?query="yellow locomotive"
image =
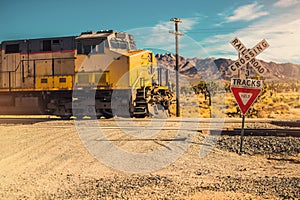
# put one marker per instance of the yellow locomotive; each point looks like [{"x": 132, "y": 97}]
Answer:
[{"x": 96, "y": 74}]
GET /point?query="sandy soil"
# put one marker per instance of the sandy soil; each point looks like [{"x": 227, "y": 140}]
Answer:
[{"x": 47, "y": 160}]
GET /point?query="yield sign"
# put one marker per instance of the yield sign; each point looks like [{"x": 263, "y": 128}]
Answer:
[
  {"x": 245, "y": 97},
  {"x": 245, "y": 92}
]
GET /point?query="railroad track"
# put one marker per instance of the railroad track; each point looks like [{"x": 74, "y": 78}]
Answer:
[
  {"x": 286, "y": 123},
  {"x": 40, "y": 118},
  {"x": 203, "y": 125},
  {"x": 259, "y": 132}
]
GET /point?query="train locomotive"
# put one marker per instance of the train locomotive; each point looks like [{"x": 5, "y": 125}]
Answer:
[{"x": 96, "y": 74}]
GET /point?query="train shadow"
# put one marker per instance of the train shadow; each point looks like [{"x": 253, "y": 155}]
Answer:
[{"x": 6, "y": 120}]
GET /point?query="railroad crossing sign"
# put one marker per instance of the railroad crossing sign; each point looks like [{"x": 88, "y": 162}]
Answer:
[
  {"x": 245, "y": 92},
  {"x": 248, "y": 56}
]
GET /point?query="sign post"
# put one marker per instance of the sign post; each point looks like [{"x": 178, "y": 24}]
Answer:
[
  {"x": 246, "y": 91},
  {"x": 242, "y": 134}
]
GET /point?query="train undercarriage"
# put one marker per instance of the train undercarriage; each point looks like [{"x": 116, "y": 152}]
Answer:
[{"x": 140, "y": 103}]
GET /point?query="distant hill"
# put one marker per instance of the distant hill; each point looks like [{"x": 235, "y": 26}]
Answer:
[{"x": 214, "y": 68}]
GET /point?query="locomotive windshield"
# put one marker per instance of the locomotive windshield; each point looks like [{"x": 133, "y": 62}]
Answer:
[
  {"x": 122, "y": 41},
  {"x": 89, "y": 42}
]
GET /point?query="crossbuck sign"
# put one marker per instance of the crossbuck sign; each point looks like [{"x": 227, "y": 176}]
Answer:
[{"x": 248, "y": 56}]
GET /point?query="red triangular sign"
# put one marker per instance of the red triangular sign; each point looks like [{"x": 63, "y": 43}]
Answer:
[{"x": 245, "y": 97}]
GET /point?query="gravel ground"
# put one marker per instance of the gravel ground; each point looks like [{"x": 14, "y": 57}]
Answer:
[
  {"x": 48, "y": 161},
  {"x": 162, "y": 187},
  {"x": 269, "y": 145}
]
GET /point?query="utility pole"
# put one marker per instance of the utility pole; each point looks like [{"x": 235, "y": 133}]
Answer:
[{"x": 176, "y": 33}]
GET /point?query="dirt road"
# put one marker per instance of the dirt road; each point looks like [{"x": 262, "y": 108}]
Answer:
[{"x": 47, "y": 160}]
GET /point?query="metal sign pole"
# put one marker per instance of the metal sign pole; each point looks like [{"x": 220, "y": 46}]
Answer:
[
  {"x": 242, "y": 134},
  {"x": 243, "y": 116}
]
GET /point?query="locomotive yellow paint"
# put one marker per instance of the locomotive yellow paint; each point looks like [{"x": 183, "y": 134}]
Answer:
[
  {"x": 63, "y": 82},
  {"x": 131, "y": 69},
  {"x": 80, "y": 59},
  {"x": 140, "y": 65},
  {"x": 95, "y": 79},
  {"x": 44, "y": 82},
  {"x": 54, "y": 83},
  {"x": 63, "y": 63},
  {"x": 113, "y": 62},
  {"x": 118, "y": 70},
  {"x": 101, "y": 79}
]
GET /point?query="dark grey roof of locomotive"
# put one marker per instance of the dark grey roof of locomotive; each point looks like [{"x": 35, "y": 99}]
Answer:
[
  {"x": 57, "y": 43},
  {"x": 35, "y": 45}
]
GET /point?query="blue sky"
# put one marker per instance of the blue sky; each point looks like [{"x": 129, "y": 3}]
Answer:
[{"x": 208, "y": 26}]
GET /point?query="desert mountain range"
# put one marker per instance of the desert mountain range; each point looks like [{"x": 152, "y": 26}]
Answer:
[{"x": 201, "y": 67}]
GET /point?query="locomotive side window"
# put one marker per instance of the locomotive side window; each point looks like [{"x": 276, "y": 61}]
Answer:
[
  {"x": 93, "y": 49},
  {"x": 79, "y": 48},
  {"x": 87, "y": 49},
  {"x": 101, "y": 47},
  {"x": 12, "y": 48},
  {"x": 56, "y": 42},
  {"x": 46, "y": 45}
]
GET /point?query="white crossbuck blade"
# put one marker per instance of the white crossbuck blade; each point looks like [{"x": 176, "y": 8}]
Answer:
[{"x": 248, "y": 56}]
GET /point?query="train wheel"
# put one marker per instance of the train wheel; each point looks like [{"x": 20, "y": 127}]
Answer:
[
  {"x": 65, "y": 117},
  {"x": 140, "y": 115},
  {"x": 108, "y": 114},
  {"x": 79, "y": 117}
]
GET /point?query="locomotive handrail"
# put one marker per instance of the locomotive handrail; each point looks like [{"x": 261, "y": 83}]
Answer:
[
  {"x": 134, "y": 84},
  {"x": 136, "y": 81},
  {"x": 147, "y": 82},
  {"x": 67, "y": 58}
]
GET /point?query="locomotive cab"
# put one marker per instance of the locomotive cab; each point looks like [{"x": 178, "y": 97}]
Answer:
[{"x": 115, "y": 55}]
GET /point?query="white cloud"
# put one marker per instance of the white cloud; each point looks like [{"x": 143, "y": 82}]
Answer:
[
  {"x": 159, "y": 36},
  {"x": 283, "y": 37},
  {"x": 246, "y": 13},
  {"x": 286, "y": 3},
  {"x": 284, "y": 45},
  {"x": 280, "y": 29}
]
